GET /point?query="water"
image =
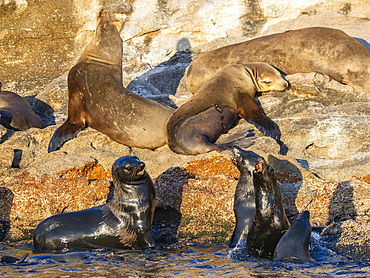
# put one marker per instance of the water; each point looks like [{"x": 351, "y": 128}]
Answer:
[{"x": 192, "y": 260}]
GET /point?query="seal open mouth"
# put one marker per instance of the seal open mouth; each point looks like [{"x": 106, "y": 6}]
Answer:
[{"x": 140, "y": 173}]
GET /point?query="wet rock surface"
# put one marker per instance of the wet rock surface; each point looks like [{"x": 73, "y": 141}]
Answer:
[{"x": 324, "y": 124}]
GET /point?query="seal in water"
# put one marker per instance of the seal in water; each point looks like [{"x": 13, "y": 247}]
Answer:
[
  {"x": 244, "y": 201},
  {"x": 294, "y": 244},
  {"x": 269, "y": 220},
  {"x": 16, "y": 113},
  {"x": 97, "y": 98},
  {"x": 316, "y": 49},
  {"x": 123, "y": 222},
  {"x": 213, "y": 109}
]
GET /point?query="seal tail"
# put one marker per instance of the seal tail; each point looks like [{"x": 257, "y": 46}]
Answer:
[{"x": 64, "y": 133}]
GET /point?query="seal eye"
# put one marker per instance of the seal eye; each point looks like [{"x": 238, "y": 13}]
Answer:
[
  {"x": 266, "y": 82},
  {"x": 127, "y": 168}
]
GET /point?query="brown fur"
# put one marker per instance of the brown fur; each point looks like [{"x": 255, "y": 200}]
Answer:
[
  {"x": 324, "y": 50},
  {"x": 98, "y": 99},
  {"x": 195, "y": 126},
  {"x": 16, "y": 113}
]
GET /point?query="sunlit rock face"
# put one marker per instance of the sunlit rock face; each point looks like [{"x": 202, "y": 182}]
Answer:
[{"x": 324, "y": 124}]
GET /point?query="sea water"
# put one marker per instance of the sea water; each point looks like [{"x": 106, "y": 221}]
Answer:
[{"x": 190, "y": 260}]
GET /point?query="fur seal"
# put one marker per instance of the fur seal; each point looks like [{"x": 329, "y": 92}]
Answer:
[
  {"x": 294, "y": 243},
  {"x": 269, "y": 220},
  {"x": 16, "y": 113},
  {"x": 97, "y": 98},
  {"x": 123, "y": 222},
  {"x": 316, "y": 49},
  {"x": 244, "y": 201},
  {"x": 212, "y": 110}
]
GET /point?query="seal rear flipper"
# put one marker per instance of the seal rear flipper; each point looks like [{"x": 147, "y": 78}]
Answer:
[
  {"x": 251, "y": 112},
  {"x": 64, "y": 133}
]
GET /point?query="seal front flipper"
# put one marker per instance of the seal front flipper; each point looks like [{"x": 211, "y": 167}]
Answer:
[
  {"x": 64, "y": 133},
  {"x": 251, "y": 112},
  {"x": 6, "y": 120}
]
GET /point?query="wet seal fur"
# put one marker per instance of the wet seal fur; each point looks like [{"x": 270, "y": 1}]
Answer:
[
  {"x": 16, "y": 113},
  {"x": 269, "y": 220},
  {"x": 213, "y": 109},
  {"x": 123, "y": 222},
  {"x": 316, "y": 49},
  {"x": 244, "y": 200},
  {"x": 294, "y": 245},
  {"x": 98, "y": 99}
]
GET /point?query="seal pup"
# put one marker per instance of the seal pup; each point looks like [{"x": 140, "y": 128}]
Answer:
[
  {"x": 16, "y": 113},
  {"x": 295, "y": 242},
  {"x": 244, "y": 201},
  {"x": 316, "y": 49},
  {"x": 123, "y": 222},
  {"x": 213, "y": 109},
  {"x": 269, "y": 220},
  {"x": 97, "y": 98}
]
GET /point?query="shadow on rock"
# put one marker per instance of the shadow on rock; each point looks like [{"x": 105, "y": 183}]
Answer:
[
  {"x": 42, "y": 109},
  {"x": 163, "y": 80},
  {"x": 6, "y": 201},
  {"x": 341, "y": 206},
  {"x": 290, "y": 178},
  {"x": 167, "y": 216}
]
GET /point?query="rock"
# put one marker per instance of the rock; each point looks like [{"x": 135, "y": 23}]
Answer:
[{"x": 350, "y": 238}]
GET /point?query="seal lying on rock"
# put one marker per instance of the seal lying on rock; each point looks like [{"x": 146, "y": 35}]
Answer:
[
  {"x": 213, "y": 109},
  {"x": 98, "y": 99},
  {"x": 123, "y": 222},
  {"x": 317, "y": 49},
  {"x": 16, "y": 113},
  {"x": 244, "y": 201},
  {"x": 294, "y": 243},
  {"x": 269, "y": 220}
]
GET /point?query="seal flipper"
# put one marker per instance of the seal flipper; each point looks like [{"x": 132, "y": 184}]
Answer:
[
  {"x": 6, "y": 120},
  {"x": 64, "y": 133},
  {"x": 251, "y": 112}
]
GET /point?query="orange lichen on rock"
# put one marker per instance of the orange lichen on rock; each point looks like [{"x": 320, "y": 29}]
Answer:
[
  {"x": 38, "y": 198},
  {"x": 92, "y": 170},
  {"x": 364, "y": 178},
  {"x": 217, "y": 165}
]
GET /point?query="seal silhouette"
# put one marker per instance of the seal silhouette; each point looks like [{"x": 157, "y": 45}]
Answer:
[
  {"x": 316, "y": 49},
  {"x": 244, "y": 200},
  {"x": 294, "y": 243},
  {"x": 123, "y": 222},
  {"x": 212, "y": 110},
  {"x": 97, "y": 98},
  {"x": 269, "y": 220},
  {"x": 16, "y": 113}
]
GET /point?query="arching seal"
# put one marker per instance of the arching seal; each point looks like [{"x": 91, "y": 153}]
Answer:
[
  {"x": 269, "y": 220},
  {"x": 123, "y": 222},
  {"x": 16, "y": 113},
  {"x": 316, "y": 49},
  {"x": 98, "y": 99},
  {"x": 244, "y": 200},
  {"x": 294, "y": 243},
  {"x": 195, "y": 126}
]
